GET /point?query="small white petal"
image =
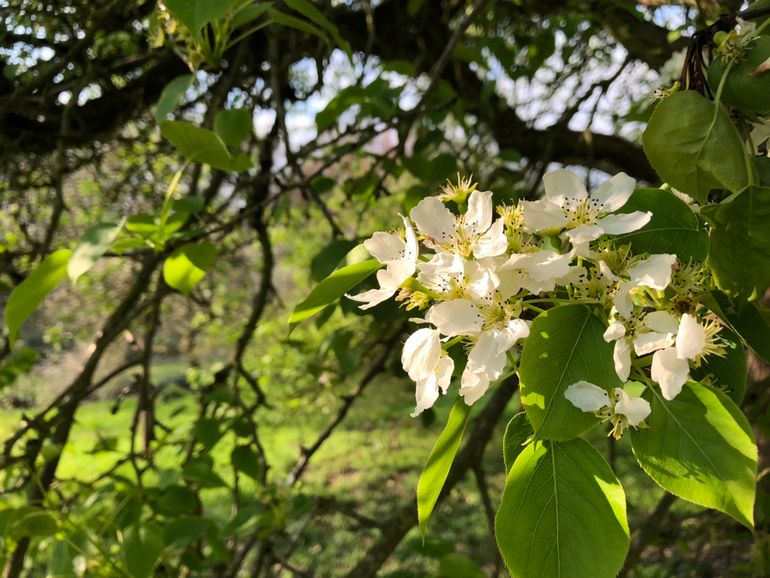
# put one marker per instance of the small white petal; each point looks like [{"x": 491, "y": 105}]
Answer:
[
  {"x": 561, "y": 184},
  {"x": 543, "y": 215},
  {"x": 653, "y": 272},
  {"x": 426, "y": 394},
  {"x": 492, "y": 243},
  {"x": 614, "y": 331},
  {"x": 421, "y": 353},
  {"x": 645, "y": 343},
  {"x": 691, "y": 338},
  {"x": 385, "y": 247},
  {"x": 622, "y": 299},
  {"x": 636, "y": 409},
  {"x": 621, "y": 357},
  {"x": 434, "y": 220},
  {"x": 545, "y": 265},
  {"x": 455, "y": 317},
  {"x": 661, "y": 321},
  {"x": 443, "y": 371},
  {"x": 624, "y": 222},
  {"x": 607, "y": 272},
  {"x": 614, "y": 193},
  {"x": 372, "y": 297},
  {"x": 473, "y": 386},
  {"x": 669, "y": 371},
  {"x": 586, "y": 396},
  {"x": 584, "y": 234},
  {"x": 478, "y": 217}
]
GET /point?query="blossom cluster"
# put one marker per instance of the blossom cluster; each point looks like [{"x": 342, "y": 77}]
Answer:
[{"x": 480, "y": 276}]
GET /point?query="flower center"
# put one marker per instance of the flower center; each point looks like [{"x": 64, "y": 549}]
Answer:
[{"x": 581, "y": 211}]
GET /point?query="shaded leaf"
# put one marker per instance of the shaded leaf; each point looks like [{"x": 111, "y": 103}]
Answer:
[
  {"x": 517, "y": 432},
  {"x": 171, "y": 96},
  {"x": 201, "y": 145},
  {"x": 94, "y": 243},
  {"x": 233, "y": 126}
]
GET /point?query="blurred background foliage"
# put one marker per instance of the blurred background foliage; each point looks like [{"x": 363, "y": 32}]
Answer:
[{"x": 148, "y": 432}]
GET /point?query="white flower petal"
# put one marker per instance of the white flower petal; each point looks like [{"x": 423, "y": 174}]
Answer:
[
  {"x": 636, "y": 409},
  {"x": 622, "y": 299},
  {"x": 661, "y": 321},
  {"x": 624, "y": 222},
  {"x": 615, "y": 330},
  {"x": 478, "y": 217},
  {"x": 653, "y": 272},
  {"x": 645, "y": 343},
  {"x": 426, "y": 394},
  {"x": 443, "y": 371},
  {"x": 563, "y": 183},
  {"x": 443, "y": 268},
  {"x": 669, "y": 371},
  {"x": 492, "y": 243},
  {"x": 584, "y": 234},
  {"x": 691, "y": 337},
  {"x": 545, "y": 265},
  {"x": 421, "y": 353},
  {"x": 586, "y": 396},
  {"x": 621, "y": 357},
  {"x": 614, "y": 193},
  {"x": 385, "y": 246},
  {"x": 473, "y": 386},
  {"x": 434, "y": 220},
  {"x": 607, "y": 272},
  {"x": 372, "y": 297},
  {"x": 542, "y": 215},
  {"x": 455, "y": 317}
]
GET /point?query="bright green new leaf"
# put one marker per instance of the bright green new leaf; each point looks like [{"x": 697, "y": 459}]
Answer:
[
  {"x": 562, "y": 514},
  {"x": 673, "y": 227},
  {"x": 25, "y": 298},
  {"x": 195, "y": 14},
  {"x": 186, "y": 266},
  {"x": 565, "y": 345},
  {"x": 739, "y": 254},
  {"x": 233, "y": 126},
  {"x": 517, "y": 432},
  {"x": 699, "y": 446},
  {"x": 748, "y": 322},
  {"x": 171, "y": 96},
  {"x": 331, "y": 289},
  {"x": 94, "y": 243},
  {"x": 439, "y": 462},
  {"x": 694, "y": 146},
  {"x": 327, "y": 259},
  {"x": 202, "y": 146}
]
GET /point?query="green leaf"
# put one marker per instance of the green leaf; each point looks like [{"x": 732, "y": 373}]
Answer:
[
  {"x": 171, "y": 96},
  {"x": 206, "y": 432},
  {"x": 331, "y": 289},
  {"x": 456, "y": 565},
  {"x": 186, "y": 266},
  {"x": 296, "y": 23},
  {"x": 142, "y": 549},
  {"x": 94, "y": 243},
  {"x": 200, "y": 470},
  {"x": 245, "y": 460},
  {"x": 699, "y": 446},
  {"x": 747, "y": 321},
  {"x": 728, "y": 373},
  {"x": 25, "y": 298},
  {"x": 185, "y": 530},
  {"x": 33, "y": 522},
  {"x": 739, "y": 254},
  {"x": 314, "y": 15},
  {"x": 342, "y": 101},
  {"x": 562, "y": 514},
  {"x": 517, "y": 432},
  {"x": 694, "y": 146},
  {"x": 329, "y": 257},
  {"x": 439, "y": 462},
  {"x": 565, "y": 345},
  {"x": 195, "y": 14},
  {"x": 673, "y": 227},
  {"x": 233, "y": 126},
  {"x": 201, "y": 145}
]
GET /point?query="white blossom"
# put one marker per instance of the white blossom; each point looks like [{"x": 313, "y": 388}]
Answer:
[
  {"x": 428, "y": 366},
  {"x": 472, "y": 233},
  {"x": 400, "y": 259},
  {"x": 586, "y": 396},
  {"x": 634, "y": 409},
  {"x": 567, "y": 205}
]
